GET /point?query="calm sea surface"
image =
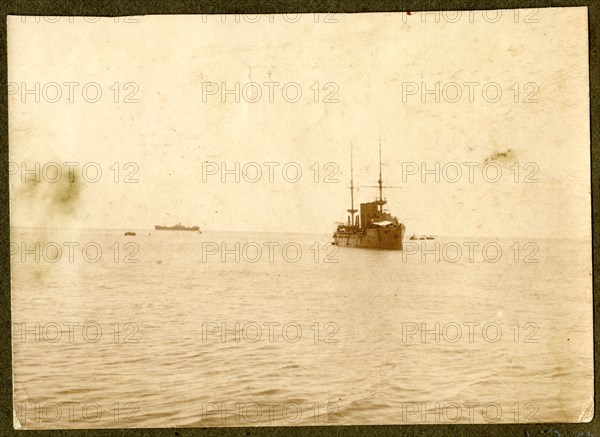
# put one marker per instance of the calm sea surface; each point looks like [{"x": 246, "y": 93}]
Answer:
[{"x": 296, "y": 332}]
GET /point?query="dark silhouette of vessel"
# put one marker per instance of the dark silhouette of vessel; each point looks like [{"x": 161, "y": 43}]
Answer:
[
  {"x": 177, "y": 227},
  {"x": 374, "y": 228}
]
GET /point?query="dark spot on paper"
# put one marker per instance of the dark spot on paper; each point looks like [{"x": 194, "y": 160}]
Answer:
[
  {"x": 30, "y": 186},
  {"x": 57, "y": 197},
  {"x": 64, "y": 194},
  {"x": 501, "y": 156}
]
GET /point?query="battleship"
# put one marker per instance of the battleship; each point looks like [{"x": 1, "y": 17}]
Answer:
[
  {"x": 177, "y": 227},
  {"x": 374, "y": 228}
]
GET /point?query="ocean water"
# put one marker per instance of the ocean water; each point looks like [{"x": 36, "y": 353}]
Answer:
[{"x": 166, "y": 329}]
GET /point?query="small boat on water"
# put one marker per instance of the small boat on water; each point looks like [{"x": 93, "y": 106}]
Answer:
[{"x": 422, "y": 237}]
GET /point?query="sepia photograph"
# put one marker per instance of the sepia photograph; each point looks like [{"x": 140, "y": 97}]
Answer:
[{"x": 302, "y": 219}]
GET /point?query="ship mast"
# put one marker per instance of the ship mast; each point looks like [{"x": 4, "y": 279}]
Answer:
[
  {"x": 351, "y": 210},
  {"x": 380, "y": 202}
]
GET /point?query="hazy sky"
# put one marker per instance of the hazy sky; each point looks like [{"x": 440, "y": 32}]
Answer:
[{"x": 369, "y": 69}]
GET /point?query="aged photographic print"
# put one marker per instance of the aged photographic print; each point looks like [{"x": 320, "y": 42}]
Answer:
[{"x": 300, "y": 219}]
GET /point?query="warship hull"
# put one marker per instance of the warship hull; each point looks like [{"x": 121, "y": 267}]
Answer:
[
  {"x": 176, "y": 228},
  {"x": 383, "y": 239}
]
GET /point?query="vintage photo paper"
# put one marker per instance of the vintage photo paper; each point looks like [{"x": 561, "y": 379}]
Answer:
[{"x": 301, "y": 219}]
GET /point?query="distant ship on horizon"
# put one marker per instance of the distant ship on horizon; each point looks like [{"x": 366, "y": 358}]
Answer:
[
  {"x": 177, "y": 227},
  {"x": 374, "y": 228}
]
